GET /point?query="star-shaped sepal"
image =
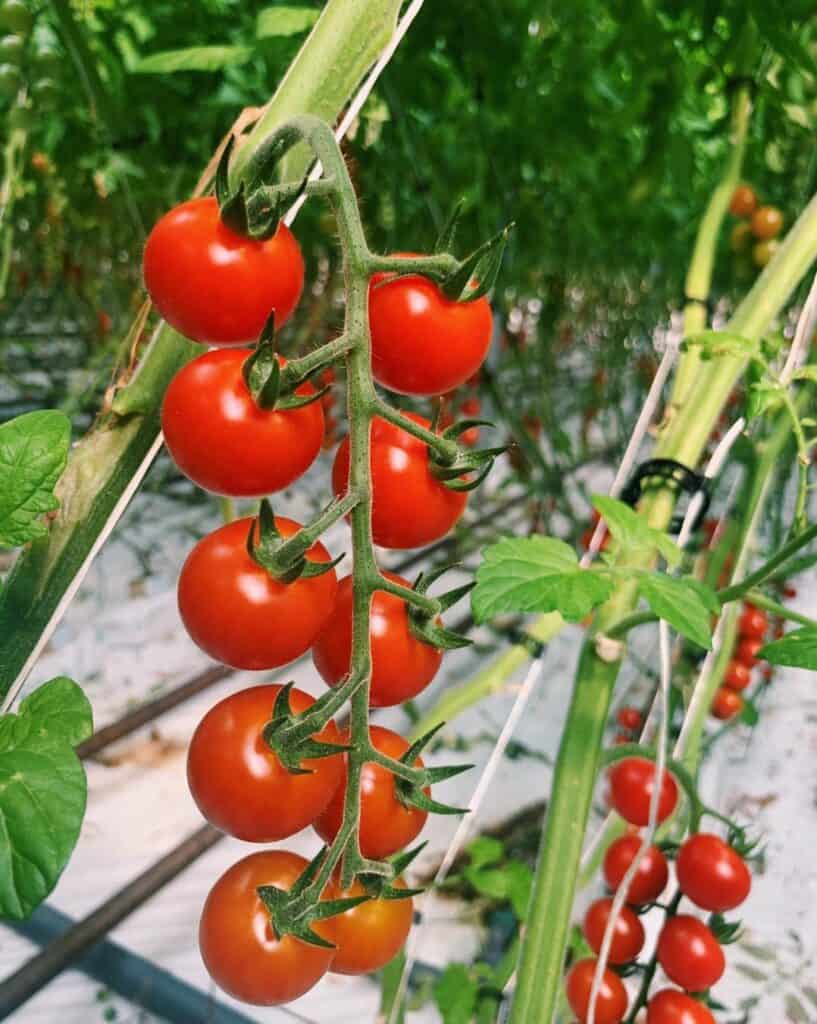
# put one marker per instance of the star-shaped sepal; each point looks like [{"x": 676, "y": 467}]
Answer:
[{"x": 292, "y": 752}]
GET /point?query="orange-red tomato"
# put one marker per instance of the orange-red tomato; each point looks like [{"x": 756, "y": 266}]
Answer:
[
  {"x": 631, "y": 785},
  {"x": 652, "y": 875},
  {"x": 767, "y": 221},
  {"x": 224, "y": 442},
  {"x": 669, "y": 1006},
  {"x": 410, "y": 506},
  {"x": 690, "y": 954},
  {"x": 726, "y": 703},
  {"x": 424, "y": 343},
  {"x": 239, "y": 784},
  {"x": 611, "y": 1003},
  {"x": 236, "y": 612},
  {"x": 215, "y": 286},
  {"x": 744, "y": 201},
  {"x": 737, "y": 676},
  {"x": 628, "y": 933},
  {"x": 712, "y": 874},
  {"x": 402, "y": 665},
  {"x": 238, "y": 945},
  {"x": 386, "y": 824},
  {"x": 371, "y": 934}
]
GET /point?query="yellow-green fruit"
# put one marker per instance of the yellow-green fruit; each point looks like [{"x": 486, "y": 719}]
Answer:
[
  {"x": 741, "y": 236},
  {"x": 763, "y": 251}
]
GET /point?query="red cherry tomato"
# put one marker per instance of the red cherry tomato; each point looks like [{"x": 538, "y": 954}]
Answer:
[
  {"x": 236, "y": 612},
  {"x": 753, "y": 623},
  {"x": 744, "y": 201},
  {"x": 652, "y": 875},
  {"x": 371, "y": 934},
  {"x": 672, "y": 1007},
  {"x": 386, "y": 824},
  {"x": 410, "y": 506},
  {"x": 424, "y": 343},
  {"x": 237, "y": 942},
  {"x": 747, "y": 650},
  {"x": 726, "y": 703},
  {"x": 737, "y": 676},
  {"x": 628, "y": 934},
  {"x": 767, "y": 221},
  {"x": 239, "y": 784},
  {"x": 630, "y": 718},
  {"x": 690, "y": 954},
  {"x": 402, "y": 665},
  {"x": 611, "y": 1004},
  {"x": 587, "y": 536},
  {"x": 631, "y": 783},
  {"x": 712, "y": 874},
  {"x": 224, "y": 442},
  {"x": 215, "y": 286}
]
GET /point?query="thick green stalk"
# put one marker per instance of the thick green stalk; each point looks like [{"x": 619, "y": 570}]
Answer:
[
  {"x": 107, "y": 465},
  {"x": 541, "y": 962}
]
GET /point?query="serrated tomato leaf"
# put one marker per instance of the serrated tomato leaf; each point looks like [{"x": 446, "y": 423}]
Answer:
[
  {"x": 685, "y": 603},
  {"x": 33, "y": 453},
  {"x": 455, "y": 993},
  {"x": 632, "y": 532},
  {"x": 536, "y": 574},
  {"x": 42, "y": 793},
  {"x": 797, "y": 649}
]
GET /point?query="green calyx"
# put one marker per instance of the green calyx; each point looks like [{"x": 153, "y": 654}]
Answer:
[
  {"x": 293, "y": 911},
  {"x": 412, "y": 793},
  {"x": 290, "y": 749},
  {"x": 475, "y": 275},
  {"x": 379, "y": 887},
  {"x": 454, "y": 472},
  {"x": 284, "y": 560},
  {"x": 272, "y": 386},
  {"x": 423, "y": 624}
]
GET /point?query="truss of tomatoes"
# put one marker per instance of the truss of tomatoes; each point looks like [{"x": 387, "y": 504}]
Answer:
[
  {"x": 222, "y": 289},
  {"x": 711, "y": 873}
]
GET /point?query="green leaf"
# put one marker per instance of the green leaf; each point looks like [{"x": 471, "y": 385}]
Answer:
[
  {"x": 722, "y": 343},
  {"x": 520, "y": 883},
  {"x": 42, "y": 793},
  {"x": 284, "y": 21},
  {"x": 684, "y": 602},
  {"x": 455, "y": 993},
  {"x": 797, "y": 649},
  {"x": 194, "y": 58},
  {"x": 33, "y": 453},
  {"x": 632, "y": 532},
  {"x": 485, "y": 850},
  {"x": 491, "y": 882},
  {"x": 764, "y": 396},
  {"x": 536, "y": 574},
  {"x": 808, "y": 372},
  {"x": 749, "y": 714}
]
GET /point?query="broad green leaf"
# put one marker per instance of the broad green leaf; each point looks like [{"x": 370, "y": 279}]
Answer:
[
  {"x": 455, "y": 993},
  {"x": 492, "y": 882},
  {"x": 632, "y": 532},
  {"x": 685, "y": 603},
  {"x": 33, "y": 453},
  {"x": 764, "y": 396},
  {"x": 520, "y": 883},
  {"x": 749, "y": 714},
  {"x": 721, "y": 343},
  {"x": 284, "y": 21},
  {"x": 797, "y": 649},
  {"x": 194, "y": 58},
  {"x": 42, "y": 793},
  {"x": 485, "y": 850},
  {"x": 536, "y": 574}
]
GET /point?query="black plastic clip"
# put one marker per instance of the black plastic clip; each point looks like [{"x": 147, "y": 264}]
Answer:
[{"x": 671, "y": 473}]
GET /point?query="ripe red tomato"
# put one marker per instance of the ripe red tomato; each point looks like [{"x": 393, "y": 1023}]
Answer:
[
  {"x": 424, "y": 343},
  {"x": 747, "y": 651},
  {"x": 371, "y": 934},
  {"x": 631, "y": 783},
  {"x": 628, "y": 934},
  {"x": 744, "y": 201},
  {"x": 630, "y": 718},
  {"x": 224, "y": 442},
  {"x": 690, "y": 954},
  {"x": 237, "y": 942},
  {"x": 236, "y": 612},
  {"x": 726, "y": 703},
  {"x": 239, "y": 784},
  {"x": 410, "y": 506},
  {"x": 672, "y": 1007},
  {"x": 767, "y": 221},
  {"x": 386, "y": 824},
  {"x": 402, "y": 665},
  {"x": 737, "y": 676},
  {"x": 611, "y": 1004},
  {"x": 215, "y": 286},
  {"x": 712, "y": 874},
  {"x": 652, "y": 875},
  {"x": 753, "y": 622},
  {"x": 587, "y": 535}
]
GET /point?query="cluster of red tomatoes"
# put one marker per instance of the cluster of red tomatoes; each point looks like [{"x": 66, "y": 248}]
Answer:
[
  {"x": 752, "y": 628},
  {"x": 709, "y": 873},
  {"x": 758, "y": 227},
  {"x": 218, "y": 288}
]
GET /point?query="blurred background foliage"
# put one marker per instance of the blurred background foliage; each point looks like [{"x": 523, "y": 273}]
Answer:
[{"x": 599, "y": 127}]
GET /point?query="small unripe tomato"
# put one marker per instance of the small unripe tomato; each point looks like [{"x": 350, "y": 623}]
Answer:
[
  {"x": 741, "y": 237},
  {"x": 763, "y": 252},
  {"x": 726, "y": 704},
  {"x": 16, "y": 17},
  {"x": 744, "y": 201},
  {"x": 11, "y": 49},
  {"x": 10, "y": 80},
  {"x": 767, "y": 221}
]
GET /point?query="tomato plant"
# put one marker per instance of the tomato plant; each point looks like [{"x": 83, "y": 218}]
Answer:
[{"x": 216, "y": 286}]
